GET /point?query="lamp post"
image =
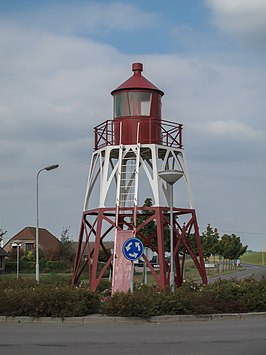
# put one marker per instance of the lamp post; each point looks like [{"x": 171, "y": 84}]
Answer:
[
  {"x": 171, "y": 177},
  {"x": 48, "y": 168},
  {"x": 262, "y": 254},
  {"x": 17, "y": 245}
]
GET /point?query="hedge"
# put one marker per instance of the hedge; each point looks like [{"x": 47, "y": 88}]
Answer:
[
  {"x": 43, "y": 301},
  {"x": 223, "y": 296},
  {"x": 58, "y": 299},
  {"x": 46, "y": 266}
]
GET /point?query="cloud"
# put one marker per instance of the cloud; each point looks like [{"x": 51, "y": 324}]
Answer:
[
  {"x": 42, "y": 87},
  {"x": 228, "y": 130},
  {"x": 234, "y": 129},
  {"x": 244, "y": 19},
  {"x": 55, "y": 84},
  {"x": 84, "y": 19}
]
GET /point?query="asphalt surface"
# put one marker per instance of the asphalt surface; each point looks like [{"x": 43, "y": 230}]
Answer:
[
  {"x": 233, "y": 334},
  {"x": 246, "y": 271},
  {"x": 208, "y": 336}
]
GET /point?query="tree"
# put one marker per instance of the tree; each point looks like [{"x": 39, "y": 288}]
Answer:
[
  {"x": 104, "y": 255},
  {"x": 66, "y": 249},
  {"x": 231, "y": 247},
  {"x": 193, "y": 242},
  {"x": 210, "y": 242}
]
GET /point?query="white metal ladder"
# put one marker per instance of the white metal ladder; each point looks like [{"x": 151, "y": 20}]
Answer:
[{"x": 127, "y": 179}]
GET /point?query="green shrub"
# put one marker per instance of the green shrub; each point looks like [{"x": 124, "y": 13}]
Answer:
[
  {"x": 252, "y": 295},
  {"x": 144, "y": 302},
  {"x": 223, "y": 296},
  {"x": 45, "y": 301},
  {"x": 27, "y": 266},
  {"x": 58, "y": 266},
  {"x": 55, "y": 298},
  {"x": 104, "y": 287},
  {"x": 10, "y": 267}
]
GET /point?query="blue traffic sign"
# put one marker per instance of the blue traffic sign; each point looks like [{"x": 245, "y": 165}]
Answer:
[{"x": 133, "y": 249}]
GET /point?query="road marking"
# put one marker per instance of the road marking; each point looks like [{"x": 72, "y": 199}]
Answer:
[{"x": 246, "y": 275}]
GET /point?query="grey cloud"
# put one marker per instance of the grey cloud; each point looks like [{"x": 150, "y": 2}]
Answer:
[
  {"x": 55, "y": 88},
  {"x": 244, "y": 19}
]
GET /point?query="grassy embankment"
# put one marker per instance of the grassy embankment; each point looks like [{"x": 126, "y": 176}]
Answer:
[{"x": 255, "y": 258}]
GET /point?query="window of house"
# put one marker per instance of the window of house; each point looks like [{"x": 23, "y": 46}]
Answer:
[{"x": 29, "y": 246}]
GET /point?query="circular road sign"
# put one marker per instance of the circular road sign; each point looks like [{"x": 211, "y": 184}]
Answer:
[{"x": 133, "y": 249}]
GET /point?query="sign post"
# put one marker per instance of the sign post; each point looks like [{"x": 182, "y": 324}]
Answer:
[{"x": 132, "y": 250}]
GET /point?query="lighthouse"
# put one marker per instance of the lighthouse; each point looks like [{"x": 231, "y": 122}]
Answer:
[{"x": 137, "y": 155}]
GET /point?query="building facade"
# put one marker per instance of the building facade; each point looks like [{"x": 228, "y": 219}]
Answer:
[{"x": 48, "y": 243}]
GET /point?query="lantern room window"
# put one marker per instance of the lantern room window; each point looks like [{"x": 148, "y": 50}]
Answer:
[{"x": 136, "y": 103}]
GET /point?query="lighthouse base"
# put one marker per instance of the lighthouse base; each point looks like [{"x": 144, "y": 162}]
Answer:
[{"x": 99, "y": 226}]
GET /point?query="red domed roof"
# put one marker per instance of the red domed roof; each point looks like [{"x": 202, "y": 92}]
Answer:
[{"x": 137, "y": 81}]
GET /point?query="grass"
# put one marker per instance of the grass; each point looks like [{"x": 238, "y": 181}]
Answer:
[
  {"x": 191, "y": 273},
  {"x": 43, "y": 277},
  {"x": 255, "y": 258}
]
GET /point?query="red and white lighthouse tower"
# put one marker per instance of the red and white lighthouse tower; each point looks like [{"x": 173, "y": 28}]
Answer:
[{"x": 137, "y": 155}]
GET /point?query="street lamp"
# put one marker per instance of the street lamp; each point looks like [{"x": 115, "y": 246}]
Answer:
[
  {"x": 171, "y": 177},
  {"x": 262, "y": 254},
  {"x": 48, "y": 168},
  {"x": 17, "y": 245}
]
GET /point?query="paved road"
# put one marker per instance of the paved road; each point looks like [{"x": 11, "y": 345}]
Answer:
[
  {"x": 215, "y": 337},
  {"x": 248, "y": 271}
]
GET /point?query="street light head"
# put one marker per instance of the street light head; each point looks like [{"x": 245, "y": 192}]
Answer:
[
  {"x": 51, "y": 167},
  {"x": 16, "y": 245}
]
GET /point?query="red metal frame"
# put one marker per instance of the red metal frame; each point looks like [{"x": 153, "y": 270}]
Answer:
[
  {"x": 97, "y": 224},
  {"x": 171, "y": 133}
]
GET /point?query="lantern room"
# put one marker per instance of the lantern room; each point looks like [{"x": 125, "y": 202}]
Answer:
[{"x": 137, "y": 110}]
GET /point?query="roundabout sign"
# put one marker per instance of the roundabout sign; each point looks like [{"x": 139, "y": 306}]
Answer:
[{"x": 133, "y": 249}]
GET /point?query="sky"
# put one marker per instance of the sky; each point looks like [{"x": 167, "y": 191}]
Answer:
[{"x": 59, "y": 61}]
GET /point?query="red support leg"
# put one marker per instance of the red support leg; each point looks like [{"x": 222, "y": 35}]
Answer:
[{"x": 182, "y": 237}]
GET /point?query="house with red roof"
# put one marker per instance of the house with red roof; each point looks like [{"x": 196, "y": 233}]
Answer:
[{"x": 48, "y": 243}]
